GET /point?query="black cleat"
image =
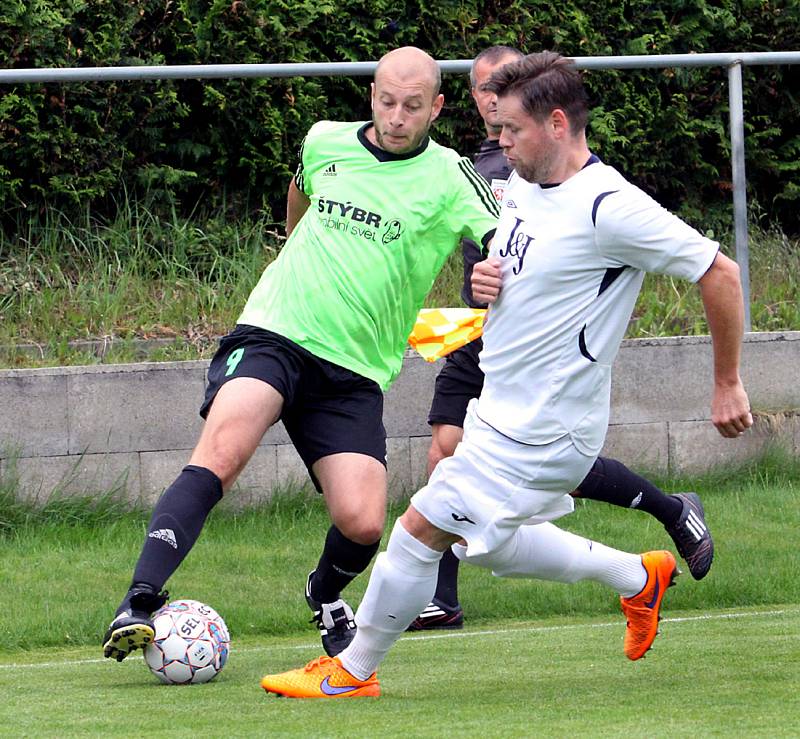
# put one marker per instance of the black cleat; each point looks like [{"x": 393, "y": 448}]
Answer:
[
  {"x": 692, "y": 537},
  {"x": 335, "y": 622},
  {"x": 437, "y": 616},
  {"x": 132, "y": 627}
]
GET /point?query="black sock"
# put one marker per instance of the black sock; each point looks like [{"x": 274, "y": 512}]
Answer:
[
  {"x": 341, "y": 561},
  {"x": 612, "y": 482},
  {"x": 176, "y": 523},
  {"x": 447, "y": 582}
]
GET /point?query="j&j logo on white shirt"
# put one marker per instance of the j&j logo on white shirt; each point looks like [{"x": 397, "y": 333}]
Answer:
[{"x": 517, "y": 246}]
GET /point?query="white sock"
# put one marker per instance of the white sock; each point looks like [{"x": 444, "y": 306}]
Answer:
[
  {"x": 547, "y": 552},
  {"x": 402, "y": 583}
]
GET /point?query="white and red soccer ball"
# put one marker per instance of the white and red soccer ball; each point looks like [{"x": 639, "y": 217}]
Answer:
[{"x": 191, "y": 645}]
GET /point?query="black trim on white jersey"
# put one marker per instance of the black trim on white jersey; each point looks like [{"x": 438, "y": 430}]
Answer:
[
  {"x": 496, "y": 430},
  {"x": 582, "y": 344},
  {"x": 608, "y": 278},
  {"x": 599, "y": 199},
  {"x": 612, "y": 272}
]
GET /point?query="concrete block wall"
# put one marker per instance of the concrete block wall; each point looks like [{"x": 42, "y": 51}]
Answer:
[{"x": 131, "y": 428}]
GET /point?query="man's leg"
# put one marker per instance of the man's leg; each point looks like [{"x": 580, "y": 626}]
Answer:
[
  {"x": 608, "y": 481},
  {"x": 546, "y": 552},
  {"x": 354, "y": 487},
  {"x": 459, "y": 381},
  {"x": 681, "y": 514},
  {"x": 404, "y": 574},
  {"x": 402, "y": 581},
  {"x": 243, "y": 409},
  {"x": 444, "y": 611}
]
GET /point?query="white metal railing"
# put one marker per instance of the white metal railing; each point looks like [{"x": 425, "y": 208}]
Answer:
[{"x": 733, "y": 61}]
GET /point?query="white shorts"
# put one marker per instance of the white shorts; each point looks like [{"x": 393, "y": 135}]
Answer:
[{"x": 492, "y": 485}]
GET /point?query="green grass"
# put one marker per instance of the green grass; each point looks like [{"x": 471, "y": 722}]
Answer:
[
  {"x": 75, "y": 558},
  {"x": 141, "y": 276},
  {"x": 536, "y": 659},
  {"x": 136, "y": 277},
  {"x": 718, "y": 673},
  {"x": 671, "y": 307}
]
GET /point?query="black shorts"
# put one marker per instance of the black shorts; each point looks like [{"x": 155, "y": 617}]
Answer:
[
  {"x": 460, "y": 381},
  {"x": 327, "y": 409}
]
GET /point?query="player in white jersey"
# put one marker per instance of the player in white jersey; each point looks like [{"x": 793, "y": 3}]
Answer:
[
  {"x": 573, "y": 243},
  {"x": 461, "y": 380}
]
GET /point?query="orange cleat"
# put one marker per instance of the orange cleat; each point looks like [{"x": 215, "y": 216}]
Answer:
[
  {"x": 642, "y": 609},
  {"x": 323, "y": 677}
]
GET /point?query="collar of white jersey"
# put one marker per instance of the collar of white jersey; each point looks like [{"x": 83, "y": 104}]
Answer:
[{"x": 593, "y": 159}]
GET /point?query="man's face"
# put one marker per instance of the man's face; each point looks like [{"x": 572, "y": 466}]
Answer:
[
  {"x": 529, "y": 145},
  {"x": 485, "y": 101},
  {"x": 402, "y": 111}
]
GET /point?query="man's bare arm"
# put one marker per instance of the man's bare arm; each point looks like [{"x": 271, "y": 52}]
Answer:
[
  {"x": 721, "y": 291},
  {"x": 297, "y": 203}
]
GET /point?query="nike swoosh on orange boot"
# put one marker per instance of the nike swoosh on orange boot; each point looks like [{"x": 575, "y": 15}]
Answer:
[
  {"x": 323, "y": 677},
  {"x": 642, "y": 610}
]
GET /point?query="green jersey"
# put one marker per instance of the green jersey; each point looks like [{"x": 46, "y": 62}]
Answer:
[{"x": 349, "y": 281}]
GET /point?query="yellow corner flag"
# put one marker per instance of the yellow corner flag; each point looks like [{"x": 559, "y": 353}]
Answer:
[{"x": 439, "y": 331}]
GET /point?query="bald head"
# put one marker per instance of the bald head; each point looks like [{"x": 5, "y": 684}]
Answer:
[
  {"x": 409, "y": 64},
  {"x": 405, "y": 99}
]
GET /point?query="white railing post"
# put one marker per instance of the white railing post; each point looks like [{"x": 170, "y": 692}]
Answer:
[{"x": 736, "y": 109}]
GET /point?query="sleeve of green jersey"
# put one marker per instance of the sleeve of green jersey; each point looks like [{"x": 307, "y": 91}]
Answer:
[
  {"x": 474, "y": 209},
  {"x": 300, "y": 172},
  {"x": 317, "y": 140},
  {"x": 309, "y": 155}
]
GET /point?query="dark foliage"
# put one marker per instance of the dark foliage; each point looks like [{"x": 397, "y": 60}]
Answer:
[{"x": 232, "y": 144}]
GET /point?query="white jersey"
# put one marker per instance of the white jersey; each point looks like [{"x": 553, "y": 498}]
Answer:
[{"x": 573, "y": 259}]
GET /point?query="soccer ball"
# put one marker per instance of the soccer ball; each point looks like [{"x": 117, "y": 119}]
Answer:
[{"x": 191, "y": 644}]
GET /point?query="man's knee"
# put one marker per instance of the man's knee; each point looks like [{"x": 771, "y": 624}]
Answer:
[
  {"x": 435, "y": 455},
  {"x": 242, "y": 411},
  {"x": 421, "y": 529},
  {"x": 444, "y": 440},
  {"x": 225, "y": 463},
  {"x": 363, "y": 530},
  {"x": 362, "y": 518},
  {"x": 354, "y": 486}
]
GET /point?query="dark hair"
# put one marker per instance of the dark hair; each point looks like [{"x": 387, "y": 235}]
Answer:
[
  {"x": 492, "y": 55},
  {"x": 543, "y": 82}
]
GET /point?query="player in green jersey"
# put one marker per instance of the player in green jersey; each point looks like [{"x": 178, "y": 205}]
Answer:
[{"x": 374, "y": 210}]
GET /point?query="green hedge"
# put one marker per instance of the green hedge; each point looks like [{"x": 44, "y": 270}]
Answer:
[{"x": 232, "y": 143}]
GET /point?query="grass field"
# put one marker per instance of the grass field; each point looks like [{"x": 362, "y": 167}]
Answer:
[
  {"x": 719, "y": 673},
  {"x": 536, "y": 658}
]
